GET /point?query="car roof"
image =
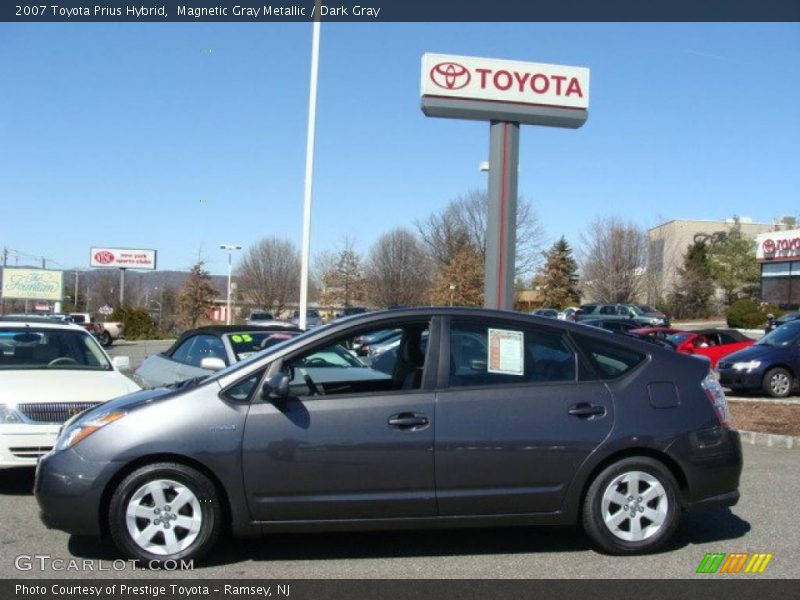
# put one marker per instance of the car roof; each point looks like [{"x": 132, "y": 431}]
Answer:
[{"x": 39, "y": 323}]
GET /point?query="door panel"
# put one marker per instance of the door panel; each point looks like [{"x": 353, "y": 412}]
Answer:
[
  {"x": 508, "y": 450},
  {"x": 337, "y": 457}
]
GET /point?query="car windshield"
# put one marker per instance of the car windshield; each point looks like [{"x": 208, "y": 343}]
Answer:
[
  {"x": 45, "y": 348},
  {"x": 257, "y": 356},
  {"x": 788, "y": 317},
  {"x": 782, "y": 336},
  {"x": 261, "y": 316},
  {"x": 247, "y": 343}
]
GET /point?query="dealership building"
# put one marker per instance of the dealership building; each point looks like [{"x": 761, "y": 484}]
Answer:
[
  {"x": 778, "y": 253},
  {"x": 667, "y": 244}
]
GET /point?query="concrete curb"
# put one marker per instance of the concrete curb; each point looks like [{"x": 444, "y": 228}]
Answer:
[
  {"x": 770, "y": 402},
  {"x": 770, "y": 440}
]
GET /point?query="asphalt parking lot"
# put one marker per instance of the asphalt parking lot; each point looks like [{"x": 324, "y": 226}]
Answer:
[{"x": 764, "y": 521}]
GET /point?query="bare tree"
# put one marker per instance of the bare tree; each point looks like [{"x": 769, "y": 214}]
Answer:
[
  {"x": 269, "y": 273},
  {"x": 342, "y": 277},
  {"x": 612, "y": 260},
  {"x": 398, "y": 270},
  {"x": 465, "y": 217}
]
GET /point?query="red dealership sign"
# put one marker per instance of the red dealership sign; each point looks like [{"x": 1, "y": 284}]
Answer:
[{"x": 495, "y": 80}]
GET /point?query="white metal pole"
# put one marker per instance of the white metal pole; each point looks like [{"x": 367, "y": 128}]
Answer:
[
  {"x": 228, "y": 309},
  {"x": 312, "y": 121}
]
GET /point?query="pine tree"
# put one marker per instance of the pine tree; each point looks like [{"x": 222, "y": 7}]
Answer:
[
  {"x": 460, "y": 283},
  {"x": 196, "y": 296},
  {"x": 558, "y": 279},
  {"x": 733, "y": 264},
  {"x": 695, "y": 288}
]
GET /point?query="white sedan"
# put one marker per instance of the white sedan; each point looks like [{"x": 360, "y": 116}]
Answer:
[{"x": 49, "y": 371}]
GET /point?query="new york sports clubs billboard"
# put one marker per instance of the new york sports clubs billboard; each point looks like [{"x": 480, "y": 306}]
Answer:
[{"x": 122, "y": 258}]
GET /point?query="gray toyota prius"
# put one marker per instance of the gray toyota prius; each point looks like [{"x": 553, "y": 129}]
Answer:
[{"x": 478, "y": 418}]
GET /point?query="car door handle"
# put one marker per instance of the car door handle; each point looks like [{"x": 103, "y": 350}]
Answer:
[
  {"x": 408, "y": 420},
  {"x": 583, "y": 409}
]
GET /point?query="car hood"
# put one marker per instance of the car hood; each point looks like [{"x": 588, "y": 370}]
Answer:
[
  {"x": 754, "y": 352},
  {"x": 131, "y": 402},
  {"x": 56, "y": 385}
]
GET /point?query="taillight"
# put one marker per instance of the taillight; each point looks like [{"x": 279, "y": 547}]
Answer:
[{"x": 716, "y": 395}]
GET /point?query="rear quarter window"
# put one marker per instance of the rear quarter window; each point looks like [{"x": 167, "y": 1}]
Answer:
[{"x": 608, "y": 360}]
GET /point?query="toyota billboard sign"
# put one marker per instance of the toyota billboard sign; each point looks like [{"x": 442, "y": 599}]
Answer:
[
  {"x": 505, "y": 90},
  {"x": 122, "y": 258}
]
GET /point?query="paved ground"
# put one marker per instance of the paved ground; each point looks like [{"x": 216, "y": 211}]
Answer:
[
  {"x": 764, "y": 521},
  {"x": 138, "y": 351}
]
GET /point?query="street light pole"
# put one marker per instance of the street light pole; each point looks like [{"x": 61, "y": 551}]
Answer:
[
  {"x": 305, "y": 252},
  {"x": 229, "y": 248}
]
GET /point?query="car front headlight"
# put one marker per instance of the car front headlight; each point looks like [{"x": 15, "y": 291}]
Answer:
[
  {"x": 80, "y": 430},
  {"x": 746, "y": 366},
  {"x": 9, "y": 415}
]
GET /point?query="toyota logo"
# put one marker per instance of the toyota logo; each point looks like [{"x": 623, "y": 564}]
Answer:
[
  {"x": 769, "y": 246},
  {"x": 450, "y": 75},
  {"x": 104, "y": 257}
]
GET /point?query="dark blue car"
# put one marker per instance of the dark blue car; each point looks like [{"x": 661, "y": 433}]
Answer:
[{"x": 772, "y": 364}]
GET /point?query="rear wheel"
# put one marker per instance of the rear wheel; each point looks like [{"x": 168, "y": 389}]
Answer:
[
  {"x": 632, "y": 507},
  {"x": 165, "y": 511},
  {"x": 105, "y": 339},
  {"x": 778, "y": 382}
]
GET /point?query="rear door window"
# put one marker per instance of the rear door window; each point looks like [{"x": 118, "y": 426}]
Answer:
[
  {"x": 481, "y": 355},
  {"x": 608, "y": 360}
]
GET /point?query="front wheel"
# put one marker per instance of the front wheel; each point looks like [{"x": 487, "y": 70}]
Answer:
[
  {"x": 632, "y": 507},
  {"x": 778, "y": 382},
  {"x": 165, "y": 511}
]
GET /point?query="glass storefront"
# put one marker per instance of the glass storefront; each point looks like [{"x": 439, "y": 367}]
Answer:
[{"x": 780, "y": 284}]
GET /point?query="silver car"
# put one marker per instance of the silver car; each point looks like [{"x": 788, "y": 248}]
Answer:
[{"x": 202, "y": 351}]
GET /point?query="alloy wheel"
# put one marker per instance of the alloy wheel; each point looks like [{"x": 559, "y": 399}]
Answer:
[
  {"x": 634, "y": 506},
  {"x": 779, "y": 382},
  {"x": 163, "y": 517}
]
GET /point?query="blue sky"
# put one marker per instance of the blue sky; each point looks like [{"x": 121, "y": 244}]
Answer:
[{"x": 182, "y": 136}]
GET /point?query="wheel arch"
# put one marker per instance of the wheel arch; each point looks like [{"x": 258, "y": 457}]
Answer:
[
  {"x": 645, "y": 452},
  {"x": 113, "y": 483},
  {"x": 780, "y": 365}
]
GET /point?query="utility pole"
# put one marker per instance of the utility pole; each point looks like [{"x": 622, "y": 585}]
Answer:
[
  {"x": 75, "y": 295},
  {"x": 5, "y": 262}
]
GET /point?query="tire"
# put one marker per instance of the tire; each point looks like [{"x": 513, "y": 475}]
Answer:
[
  {"x": 778, "y": 383},
  {"x": 133, "y": 509},
  {"x": 656, "y": 519},
  {"x": 105, "y": 339}
]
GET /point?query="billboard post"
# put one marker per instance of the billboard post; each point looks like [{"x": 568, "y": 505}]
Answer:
[{"x": 506, "y": 94}]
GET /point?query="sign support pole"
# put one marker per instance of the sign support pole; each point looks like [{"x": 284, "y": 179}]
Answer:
[
  {"x": 501, "y": 226},
  {"x": 121, "y": 288}
]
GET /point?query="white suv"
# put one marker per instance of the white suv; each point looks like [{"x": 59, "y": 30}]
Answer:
[{"x": 49, "y": 371}]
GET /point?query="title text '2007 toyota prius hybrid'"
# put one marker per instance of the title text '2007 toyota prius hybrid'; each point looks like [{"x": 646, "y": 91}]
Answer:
[{"x": 476, "y": 418}]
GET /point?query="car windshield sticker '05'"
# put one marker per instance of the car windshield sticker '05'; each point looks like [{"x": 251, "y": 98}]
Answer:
[{"x": 506, "y": 352}]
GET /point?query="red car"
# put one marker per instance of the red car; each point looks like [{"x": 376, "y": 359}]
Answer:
[{"x": 712, "y": 343}]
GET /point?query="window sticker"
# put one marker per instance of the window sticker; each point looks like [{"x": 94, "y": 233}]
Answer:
[
  {"x": 506, "y": 352},
  {"x": 238, "y": 338}
]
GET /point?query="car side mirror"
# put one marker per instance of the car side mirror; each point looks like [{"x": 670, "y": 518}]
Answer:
[
  {"x": 276, "y": 387},
  {"x": 121, "y": 363},
  {"x": 212, "y": 363}
]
